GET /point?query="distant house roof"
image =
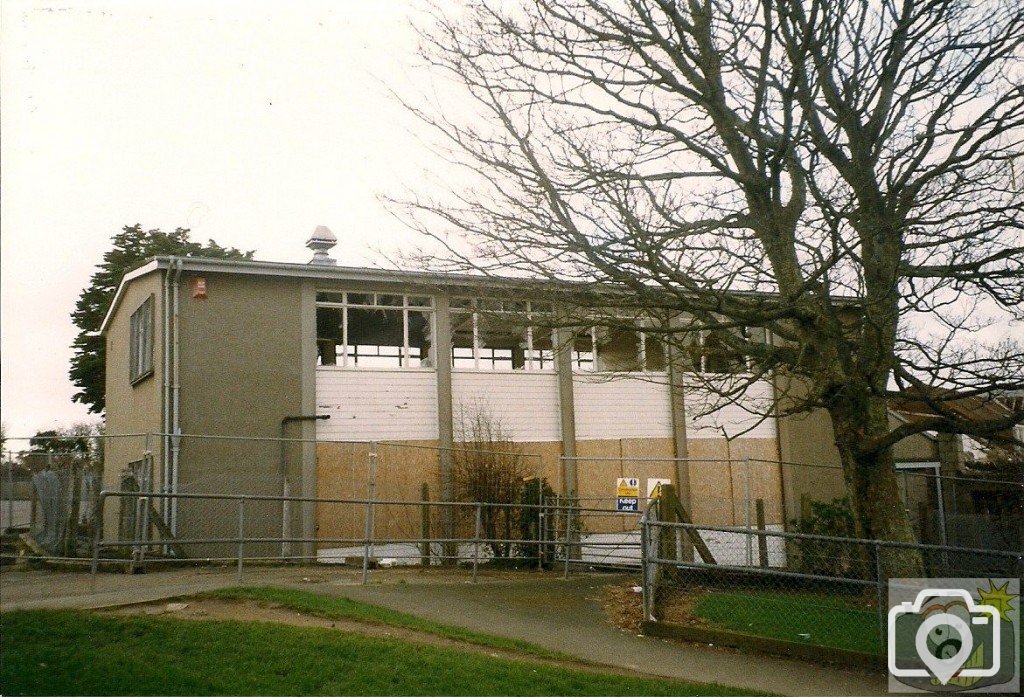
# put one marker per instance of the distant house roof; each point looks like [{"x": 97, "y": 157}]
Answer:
[{"x": 975, "y": 408}]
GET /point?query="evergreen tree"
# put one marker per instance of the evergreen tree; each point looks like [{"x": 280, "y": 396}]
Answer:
[{"x": 130, "y": 248}]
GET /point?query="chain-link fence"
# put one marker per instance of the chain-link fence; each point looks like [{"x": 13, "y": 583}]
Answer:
[
  {"x": 755, "y": 493},
  {"x": 803, "y": 590},
  {"x": 310, "y": 499},
  {"x": 51, "y": 495}
]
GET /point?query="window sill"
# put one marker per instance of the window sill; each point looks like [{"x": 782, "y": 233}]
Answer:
[{"x": 141, "y": 378}]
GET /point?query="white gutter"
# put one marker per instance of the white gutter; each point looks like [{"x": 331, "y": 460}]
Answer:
[
  {"x": 165, "y": 315},
  {"x": 175, "y": 396}
]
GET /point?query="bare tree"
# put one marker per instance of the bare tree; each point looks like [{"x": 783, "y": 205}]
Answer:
[
  {"x": 489, "y": 468},
  {"x": 840, "y": 173}
]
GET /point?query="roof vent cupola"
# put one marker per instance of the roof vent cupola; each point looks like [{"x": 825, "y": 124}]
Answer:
[{"x": 320, "y": 241}]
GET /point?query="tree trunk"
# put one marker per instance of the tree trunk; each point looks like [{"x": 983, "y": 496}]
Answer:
[{"x": 872, "y": 486}]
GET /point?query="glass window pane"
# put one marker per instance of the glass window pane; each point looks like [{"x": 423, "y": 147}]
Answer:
[
  {"x": 543, "y": 355},
  {"x": 419, "y": 301},
  {"x": 395, "y": 300},
  {"x": 462, "y": 339},
  {"x": 583, "y": 351},
  {"x": 360, "y": 299},
  {"x": 328, "y": 334},
  {"x": 326, "y": 296},
  {"x": 655, "y": 356},
  {"x": 719, "y": 357}
]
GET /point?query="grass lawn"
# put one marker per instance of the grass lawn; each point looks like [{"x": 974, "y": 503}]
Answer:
[
  {"x": 343, "y": 609},
  {"x": 805, "y": 618},
  {"x": 70, "y": 652}
]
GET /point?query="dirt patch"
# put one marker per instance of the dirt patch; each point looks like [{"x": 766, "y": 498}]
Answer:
[
  {"x": 253, "y": 611},
  {"x": 623, "y": 605}
]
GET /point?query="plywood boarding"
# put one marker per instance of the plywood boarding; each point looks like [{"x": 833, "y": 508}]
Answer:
[
  {"x": 718, "y": 480},
  {"x": 343, "y": 472},
  {"x": 601, "y": 462}
]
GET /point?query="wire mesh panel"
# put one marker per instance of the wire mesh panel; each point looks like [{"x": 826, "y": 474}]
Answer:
[{"x": 827, "y": 591}]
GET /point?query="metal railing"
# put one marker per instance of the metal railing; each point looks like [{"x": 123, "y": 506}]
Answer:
[{"x": 558, "y": 536}]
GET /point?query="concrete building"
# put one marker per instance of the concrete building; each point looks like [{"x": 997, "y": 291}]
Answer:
[{"x": 214, "y": 349}]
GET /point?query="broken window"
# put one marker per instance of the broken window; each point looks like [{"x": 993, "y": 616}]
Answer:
[
  {"x": 500, "y": 335},
  {"x": 716, "y": 355},
  {"x": 140, "y": 347},
  {"x": 618, "y": 350},
  {"x": 373, "y": 330}
]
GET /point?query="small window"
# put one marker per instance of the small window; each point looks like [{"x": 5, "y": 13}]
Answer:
[{"x": 140, "y": 351}]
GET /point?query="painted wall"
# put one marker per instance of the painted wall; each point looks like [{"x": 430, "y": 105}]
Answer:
[
  {"x": 739, "y": 420},
  {"x": 623, "y": 406},
  {"x": 131, "y": 408},
  {"x": 241, "y": 373},
  {"x": 524, "y": 403},
  {"x": 367, "y": 405}
]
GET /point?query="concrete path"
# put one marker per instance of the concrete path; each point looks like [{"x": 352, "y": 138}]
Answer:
[{"x": 561, "y": 615}]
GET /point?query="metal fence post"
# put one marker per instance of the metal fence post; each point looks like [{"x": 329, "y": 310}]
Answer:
[
  {"x": 645, "y": 592},
  {"x": 746, "y": 502},
  {"x": 97, "y": 538},
  {"x": 476, "y": 539},
  {"x": 144, "y": 524},
  {"x": 568, "y": 539},
  {"x": 880, "y": 600},
  {"x": 10, "y": 491},
  {"x": 241, "y": 535},
  {"x": 370, "y": 486}
]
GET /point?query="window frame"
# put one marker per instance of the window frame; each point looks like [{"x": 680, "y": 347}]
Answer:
[
  {"x": 344, "y": 359},
  {"x": 534, "y": 362},
  {"x": 141, "y": 341},
  {"x": 579, "y": 363}
]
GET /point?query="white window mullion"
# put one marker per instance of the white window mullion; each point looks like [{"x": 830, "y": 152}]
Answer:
[
  {"x": 476, "y": 342},
  {"x": 407, "y": 360},
  {"x": 593, "y": 349},
  {"x": 529, "y": 346},
  {"x": 344, "y": 336}
]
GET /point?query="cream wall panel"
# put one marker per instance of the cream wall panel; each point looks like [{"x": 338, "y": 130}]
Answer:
[
  {"x": 622, "y": 407},
  {"x": 738, "y": 419},
  {"x": 369, "y": 405},
  {"x": 524, "y": 403}
]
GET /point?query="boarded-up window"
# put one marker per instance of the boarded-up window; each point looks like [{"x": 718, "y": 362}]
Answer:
[{"x": 140, "y": 348}]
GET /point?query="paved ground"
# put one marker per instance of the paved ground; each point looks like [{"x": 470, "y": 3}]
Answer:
[{"x": 561, "y": 615}]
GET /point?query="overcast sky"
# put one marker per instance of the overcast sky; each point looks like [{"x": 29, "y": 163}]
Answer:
[{"x": 248, "y": 122}]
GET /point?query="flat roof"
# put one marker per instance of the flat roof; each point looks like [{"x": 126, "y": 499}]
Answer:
[{"x": 322, "y": 272}]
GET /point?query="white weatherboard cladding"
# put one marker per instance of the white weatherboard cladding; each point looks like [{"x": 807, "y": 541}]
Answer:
[
  {"x": 524, "y": 404},
  {"x": 739, "y": 419},
  {"x": 367, "y": 405},
  {"x": 622, "y": 406}
]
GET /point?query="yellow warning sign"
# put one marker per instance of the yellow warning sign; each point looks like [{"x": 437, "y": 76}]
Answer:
[{"x": 627, "y": 487}]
